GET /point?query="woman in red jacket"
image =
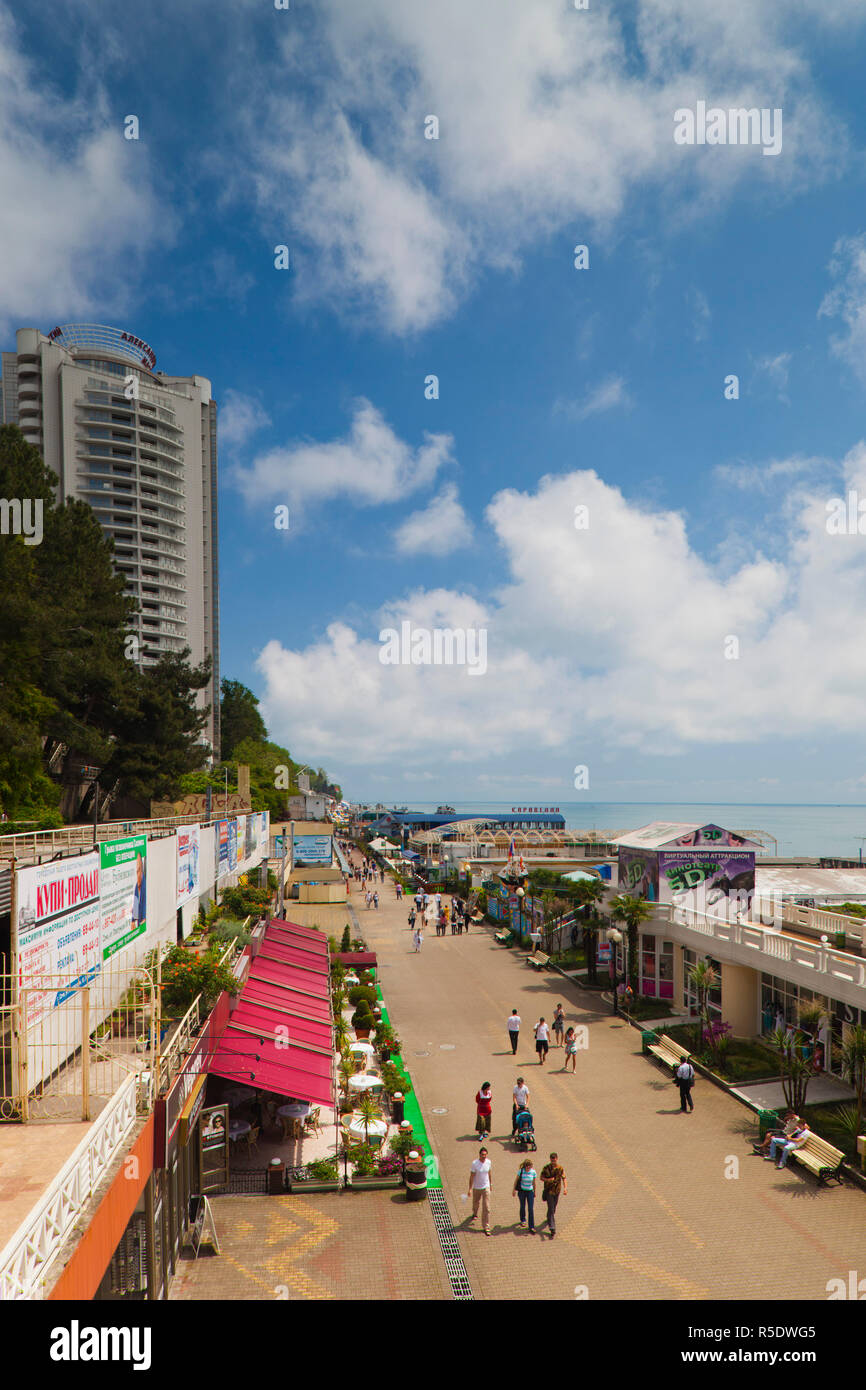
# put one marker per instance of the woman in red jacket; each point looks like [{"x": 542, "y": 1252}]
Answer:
[{"x": 484, "y": 1109}]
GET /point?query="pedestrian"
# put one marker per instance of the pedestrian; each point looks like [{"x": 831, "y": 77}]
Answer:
[
  {"x": 368, "y": 898},
  {"x": 417, "y": 939},
  {"x": 542, "y": 1043},
  {"x": 558, "y": 1025},
  {"x": 376, "y": 901},
  {"x": 514, "y": 1030},
  {"x": 684, "y": 1077},
  {"x": 481, "y": 1187},
  {"x": 555, "y": 1186},
  {"x": 570, "y": 1050},
  {"x": 484, "y": 1110},
  {"x": 521, "y": 1102},
  {"x": 399, "y": 888},
  {"x": 411, "y": 919},
  {"x": 524, "y": 1190}
]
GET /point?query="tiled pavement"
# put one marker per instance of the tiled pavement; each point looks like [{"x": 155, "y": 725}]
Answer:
[{"x": 660, "y": 1204}]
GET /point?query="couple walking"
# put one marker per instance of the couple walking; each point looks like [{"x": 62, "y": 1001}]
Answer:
[{"x": 554, "y": 1185}]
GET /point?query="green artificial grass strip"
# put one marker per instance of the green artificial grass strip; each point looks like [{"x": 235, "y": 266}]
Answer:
[{"x": 411, "y": 1108}]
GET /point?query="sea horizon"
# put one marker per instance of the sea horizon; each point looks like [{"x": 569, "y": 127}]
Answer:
[{"x": 813, "y": 829}]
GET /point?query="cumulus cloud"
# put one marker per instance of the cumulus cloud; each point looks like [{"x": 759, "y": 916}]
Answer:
[
  {"x": 370, "y": 466},
  {"x": 438, "y": 529},
  {"x": 240, "y": 417},
  {"x": 402, "y": 225},
  {"x": 617, "y": 632},
  {"x": 774, "y": 370},
  {"x": 77, "y": 209}
]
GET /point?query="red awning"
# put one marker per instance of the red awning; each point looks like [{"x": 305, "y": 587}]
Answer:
[{"x": 279, "y": 1036}]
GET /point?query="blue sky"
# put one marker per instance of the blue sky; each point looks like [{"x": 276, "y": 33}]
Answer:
[{"x": 707, "y": 517}]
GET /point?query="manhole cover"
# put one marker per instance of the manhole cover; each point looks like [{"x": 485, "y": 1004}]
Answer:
[
  {"x": 447, "y": 1047},
  {"x": 438, "y": 1110},
  {"x": 422, "y": 1054}
]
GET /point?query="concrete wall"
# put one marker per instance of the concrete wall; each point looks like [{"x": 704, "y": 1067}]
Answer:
[{"x": 741, "y": 995}]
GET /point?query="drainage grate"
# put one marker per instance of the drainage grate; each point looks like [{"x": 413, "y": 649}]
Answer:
[{"x": 458, "y": 1278}]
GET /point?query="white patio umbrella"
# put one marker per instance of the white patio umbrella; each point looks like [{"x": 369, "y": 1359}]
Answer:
[
  {"x": 362, "y": 1049},
  {"x": 365, "y": 1082},
  {"x": 358, "y": 1127}
]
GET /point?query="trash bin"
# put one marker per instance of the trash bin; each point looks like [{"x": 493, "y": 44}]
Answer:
[
  {"x": 276, "y": 1177},
  {"x": 415, "y": 1177},
  {"x": 397, "y": 1107},
  {"x": 767, "y": 1120}
]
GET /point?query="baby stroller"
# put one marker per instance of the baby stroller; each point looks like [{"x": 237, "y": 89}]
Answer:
[{"x": 524, "y": 1131}]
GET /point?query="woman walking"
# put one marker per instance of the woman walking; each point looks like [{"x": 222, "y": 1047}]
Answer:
[
  {"x": 542, "y": 1041},
  {"x": 524, "y": 1190},
  {"x": 570, "y": 1050},
  {"x": 417, "y": 939},
  {"x": 558, "y": 1025},
  {"x": 484, "y": 1110}
]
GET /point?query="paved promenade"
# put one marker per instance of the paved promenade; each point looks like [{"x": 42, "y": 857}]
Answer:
[{"x": 651, "y": 1211}]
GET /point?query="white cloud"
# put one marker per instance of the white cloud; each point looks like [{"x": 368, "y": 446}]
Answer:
[
  {"x": 848, "y": 300},
  {"x": 402, "y": 225},
  {"x": 439, "y": 529},
  {"x": 614, "y": 634},
  {"x": 610, "y": 394},
  {"x": 775, "y": 370},
  {"x": 240, "y": 417},
  {"x": 765, "y": 476},
  {"x": 77, "y": 210},
  {"x": 370, "y": 466}
]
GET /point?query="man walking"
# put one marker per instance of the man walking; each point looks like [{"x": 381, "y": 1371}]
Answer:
[
  {"x": 481, "y": 1186},
  {"x": 685, "y": 1079},
  {"x": 514, "y": 1030},
  {"x": 542, "y": 1041},
  {"x": 555, "y": 1186}
]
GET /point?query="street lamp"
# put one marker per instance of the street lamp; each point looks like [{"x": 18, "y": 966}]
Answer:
[
  {"x": 520, "y": 896},
  {"x": 615, "y": 938}
]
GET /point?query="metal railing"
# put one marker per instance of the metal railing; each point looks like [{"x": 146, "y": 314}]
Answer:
[{"x": 30, "y": 844}]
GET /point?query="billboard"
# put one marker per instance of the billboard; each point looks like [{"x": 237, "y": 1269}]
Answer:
[
  {"x": 221, "y": 848},
  {"x": 188, "y": 846},
  {"x": 251, "y": 837},
  {"x": 264, "y": 832},
  {"x": 712, "y": 836},
  {"x": 311, "y": 849},
  {"x": 233, "y": 845},
  {"x": 58, "y": 931},
  {"x": 700, "y": 878},
  {"x": 122, "y": 892},
  {"x": 639, "y": 873}
]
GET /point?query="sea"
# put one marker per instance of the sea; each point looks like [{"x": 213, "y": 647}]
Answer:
[{"x": 811, "y": 831}]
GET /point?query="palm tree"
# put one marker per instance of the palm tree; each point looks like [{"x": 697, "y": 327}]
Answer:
[
  {"x": 633, "y": 911},
  {"x": 703, "y": 977},
  {"x": 852, "y": 1055},
  {"x": 796, "y": 1070},
  {"x": 369, "y": 1110},
  {"x": 588, "y": 896}
]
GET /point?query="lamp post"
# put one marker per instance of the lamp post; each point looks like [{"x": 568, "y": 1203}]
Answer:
[
  {"x": 520, "y": 896},
  {"x": 615, "y": 938}
]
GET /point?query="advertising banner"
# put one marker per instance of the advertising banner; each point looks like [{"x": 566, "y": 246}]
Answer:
[
  {"x": 58, "y": 931},
  {"x": 233, "y": 845},
  {"x": 713, "y": 836},
  {"x": 638, "y": 873},
  {"x": 221, "y": 848},
  {"x": 311, "y": 849},
  {"x": 123, "y": 892},
  {"x": 251, "y": 838},
  {"x": 700, "y": 878},
  {"x": 188, "y": 846},
  {"x": 263, "y": 831}
]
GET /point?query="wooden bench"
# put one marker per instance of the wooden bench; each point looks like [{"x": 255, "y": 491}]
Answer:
[
  {"x": 666, "y": 1050},
  {"x": 539, "y": 960},
  {"x": 820, "y": 1158},
  {"x": 503, "y": 936}
]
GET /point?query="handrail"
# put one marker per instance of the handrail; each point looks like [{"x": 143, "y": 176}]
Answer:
[{"x": 34, "y": 842}]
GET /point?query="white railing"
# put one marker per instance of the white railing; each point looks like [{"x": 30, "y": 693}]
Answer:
[
  {"x": 29, "y": 1254},
  {"x": 819, "y": 920},
  {"x": 821, "y": 959}
]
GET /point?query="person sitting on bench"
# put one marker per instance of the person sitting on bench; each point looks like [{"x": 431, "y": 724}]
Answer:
[
  {"x": 785, "y": 1146},
  {"x": 792, "y": 1122}
]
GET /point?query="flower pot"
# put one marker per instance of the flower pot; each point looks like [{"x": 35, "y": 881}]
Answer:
[
  {"x": 375, "y": 1181},
  {"x": 312, "y": 1185}
]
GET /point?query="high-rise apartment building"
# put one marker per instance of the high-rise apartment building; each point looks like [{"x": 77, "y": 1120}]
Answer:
[{"x": 140, "y": 448}]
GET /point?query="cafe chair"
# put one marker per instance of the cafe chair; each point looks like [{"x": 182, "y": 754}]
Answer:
[
  {"x": 252, "y": 1139},
  {"x": 313, "y": 1122}
]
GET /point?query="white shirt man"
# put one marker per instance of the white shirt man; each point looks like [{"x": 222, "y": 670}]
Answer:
[
  {"x": 480, "y": 1186},
  {"x": 521, "y": 1100},
  {"x": 685, "y": 1078},
  {"x": 513, "y": 1030}
]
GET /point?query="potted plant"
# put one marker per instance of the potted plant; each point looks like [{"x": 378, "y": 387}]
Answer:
[
  {"x": 321, "y": 1175},
  {"x": 363, "y": 1021},
  {"x": 363, "y": 994},
  {"x": 387, "y": 1041}
]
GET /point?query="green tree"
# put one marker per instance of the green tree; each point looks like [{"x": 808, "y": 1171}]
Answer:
[
  {"x": 852, "y": 1056},
  {"x": 239, "y": 718},
  {"x": 632, "y": 911},
  {"x": 159, "y": 728},
  {"x": 703, "y": 978},
  {"x": 590, "y": 893}
]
